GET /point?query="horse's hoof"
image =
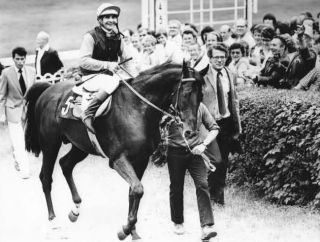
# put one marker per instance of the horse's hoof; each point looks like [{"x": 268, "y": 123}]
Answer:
[
  {"x": 135, "y": 237},
  {"x": 136, "y": 240},
  {"x": 73, "y": 217},
  {"x": 122, "y": 235}
]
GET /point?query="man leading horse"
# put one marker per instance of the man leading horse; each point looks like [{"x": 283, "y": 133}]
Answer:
[{"x": 100, "y": 51}]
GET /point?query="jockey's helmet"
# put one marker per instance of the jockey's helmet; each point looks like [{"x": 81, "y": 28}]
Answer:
[{"x": 106, "y": 9}]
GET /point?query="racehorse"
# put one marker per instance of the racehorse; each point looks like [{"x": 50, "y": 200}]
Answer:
[{"x": 128, "y": 134}]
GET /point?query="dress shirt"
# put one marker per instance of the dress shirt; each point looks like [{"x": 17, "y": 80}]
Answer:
[
  {"x": 248, "y": 38},
  {"x": 39, "y": 56},
  {"x": 176, "y": 39},
  {"x": 23, "y": 74},
  {"x": 226, "y": 91}
]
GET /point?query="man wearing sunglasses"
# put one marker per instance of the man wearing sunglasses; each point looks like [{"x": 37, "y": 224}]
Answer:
[{"x": 101, "y": 50}]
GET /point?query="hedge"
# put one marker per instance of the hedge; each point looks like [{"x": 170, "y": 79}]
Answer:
[{"x": 281, "y": 141}]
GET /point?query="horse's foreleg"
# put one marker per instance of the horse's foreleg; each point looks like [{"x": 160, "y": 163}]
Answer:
[
  {"x": 67, "y": 164},
  {"x": 125, "y": 169},
  {"x": 134, "y": 235}
]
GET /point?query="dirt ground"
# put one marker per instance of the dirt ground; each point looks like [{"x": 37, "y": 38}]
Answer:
[{"x": 23, "y": 211}]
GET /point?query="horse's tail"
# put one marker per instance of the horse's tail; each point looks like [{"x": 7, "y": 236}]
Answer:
[{"x": 31, "y": 133}]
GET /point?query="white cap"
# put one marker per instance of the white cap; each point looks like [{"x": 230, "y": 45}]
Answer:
[{"x": 107, "y": 8}]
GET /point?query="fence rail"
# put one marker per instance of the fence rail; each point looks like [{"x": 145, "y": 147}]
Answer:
[{"x": 65, "y": 56}]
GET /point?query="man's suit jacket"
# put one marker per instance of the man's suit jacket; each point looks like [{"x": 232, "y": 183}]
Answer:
[
  {"x": 50, "y": 62},
  {"x": 210, "y": 97},
  {"x": 11, "y": 97}
]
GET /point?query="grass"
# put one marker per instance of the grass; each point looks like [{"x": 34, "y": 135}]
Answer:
[
  {"x": 68, "y": 20},
  {"x": 245, "y": 218}
]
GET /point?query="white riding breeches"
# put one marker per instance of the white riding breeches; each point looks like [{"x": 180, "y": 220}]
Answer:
[{"x": 103, "y": 82}]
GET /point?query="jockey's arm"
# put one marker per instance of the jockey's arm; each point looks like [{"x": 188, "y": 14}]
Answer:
[{"x": 86, "y": 60}]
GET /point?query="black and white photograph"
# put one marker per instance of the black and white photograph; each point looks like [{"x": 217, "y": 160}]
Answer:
[{"x": 160, "y": 120}]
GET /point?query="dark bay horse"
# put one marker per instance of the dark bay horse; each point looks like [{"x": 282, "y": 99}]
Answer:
[{"x": 128, "y": 134}]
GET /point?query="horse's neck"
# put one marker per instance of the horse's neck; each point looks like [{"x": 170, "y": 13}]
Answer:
[{"x": 158, "y": 88}]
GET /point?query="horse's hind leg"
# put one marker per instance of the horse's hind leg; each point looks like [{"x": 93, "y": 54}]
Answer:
[
  {"x": 126, "y": 170},
  {"x": 67, "y": 164},
  {"x": 50, "y": 153},
  {"x": 134, "y": 235}
]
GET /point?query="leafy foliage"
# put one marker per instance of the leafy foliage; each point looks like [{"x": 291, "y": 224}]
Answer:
[{"x": 281, "y": 143}]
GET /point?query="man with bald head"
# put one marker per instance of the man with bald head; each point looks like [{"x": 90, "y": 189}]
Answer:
[
  {"x": 243, "y": 33},
  {"x": 225, "y": 32},
  {"x": 47, "y": 59}
]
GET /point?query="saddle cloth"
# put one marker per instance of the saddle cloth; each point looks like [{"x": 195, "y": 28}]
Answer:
[{"x": 77, "y": 100}]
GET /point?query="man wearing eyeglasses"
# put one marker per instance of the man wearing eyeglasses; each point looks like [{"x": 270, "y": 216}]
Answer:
[
  {"x": 219, "y": 95},
  {"x": 101, "y": 50}
]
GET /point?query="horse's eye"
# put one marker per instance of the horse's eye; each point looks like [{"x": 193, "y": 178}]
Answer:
[{"x": 186, "y": 90}]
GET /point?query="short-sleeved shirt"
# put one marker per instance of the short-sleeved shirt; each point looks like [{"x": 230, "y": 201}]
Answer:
[{"x": 204, "y": 117}]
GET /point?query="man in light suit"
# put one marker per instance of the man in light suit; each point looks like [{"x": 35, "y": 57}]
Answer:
[
  {"x": 222, "y": 102},
  {"x": 47, "y": 59},
  {"x": 14, "y": 83}
]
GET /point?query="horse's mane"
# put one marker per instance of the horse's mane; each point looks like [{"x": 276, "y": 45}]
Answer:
[
  {"x": 160, "y": 69},
  {"x": 156, "y": 70}
]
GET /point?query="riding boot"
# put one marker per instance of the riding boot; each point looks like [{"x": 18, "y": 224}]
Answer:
[{"x": 92, "y": 108}]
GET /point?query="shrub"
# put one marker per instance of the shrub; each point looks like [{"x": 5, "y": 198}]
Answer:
[{"x": 281, "y": 141}]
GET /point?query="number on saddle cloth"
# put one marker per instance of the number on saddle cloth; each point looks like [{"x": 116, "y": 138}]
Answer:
[
  {"x": 76, "y": 102},
  {"x": 70, "y": 107}
]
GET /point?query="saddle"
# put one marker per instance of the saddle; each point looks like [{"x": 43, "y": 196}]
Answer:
[
  {"x": 77, "y": 100},
  {"x": 73, "y": 106}
]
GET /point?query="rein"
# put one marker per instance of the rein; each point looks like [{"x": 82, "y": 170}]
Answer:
[
  {"x": 144, "y": 99},
  {"x": 175, "y": 117}
]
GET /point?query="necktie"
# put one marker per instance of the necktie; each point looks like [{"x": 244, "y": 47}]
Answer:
[
  {"x": 220, "y": 95},
  {"x": 22, "y": 83}
]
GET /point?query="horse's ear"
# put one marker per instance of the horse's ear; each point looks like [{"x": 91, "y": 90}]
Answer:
[
  {"x": 204, "y": 71},
  {"x": 185, "y": 69}
]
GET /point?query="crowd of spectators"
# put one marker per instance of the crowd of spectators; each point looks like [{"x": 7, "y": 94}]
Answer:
[{"x": 281, "y": 54}]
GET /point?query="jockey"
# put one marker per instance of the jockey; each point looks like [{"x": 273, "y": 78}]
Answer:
[{"x": 101, "y": 50}]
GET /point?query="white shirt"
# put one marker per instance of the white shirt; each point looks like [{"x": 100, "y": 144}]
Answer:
[
  {"x": 226, "y": 90},
  {"x": 176, "y": 39},
  {"x": 249, "y": 39},
  {"x": 172, "y": 52},
  {"x": 23, "y": 73},
  {"x": 39, "y": 56}
]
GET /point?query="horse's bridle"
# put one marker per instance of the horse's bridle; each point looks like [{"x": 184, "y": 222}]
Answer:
[
  {"x": 173, "y": 109},
  {"x": 176, "y": 117},
  {"x": 176, "y": 114}
]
